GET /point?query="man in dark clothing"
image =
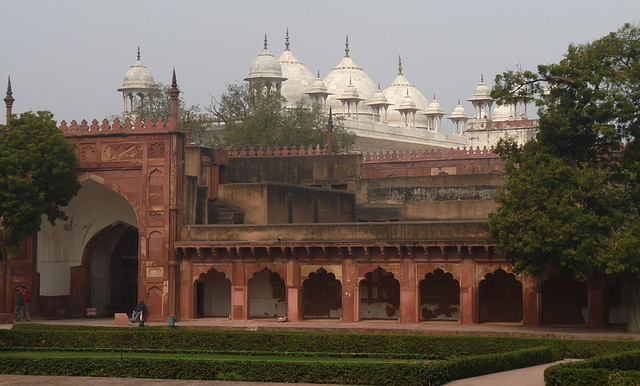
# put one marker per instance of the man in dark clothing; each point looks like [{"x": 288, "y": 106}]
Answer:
[
  {"x": 25, "y": 298},
  {"x": 137, "y": 311},
  {"x": 19, "y": 305}
]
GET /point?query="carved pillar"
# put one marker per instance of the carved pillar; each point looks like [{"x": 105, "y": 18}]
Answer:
[
  {"x": 595, "y": 303},
  {"x": 408, "y": 298},
  {"x": 468, "y": 292},
  {"x": 350, "y": 300},
  {"x": 239, "y": 291},
  {"x": 294, "y": 291},
  {"x": 530, "y": 302}
]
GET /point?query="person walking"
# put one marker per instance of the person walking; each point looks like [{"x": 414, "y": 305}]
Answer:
[
  {"x": 27, "y": 300},
  {"x": 19, "y": 305}
]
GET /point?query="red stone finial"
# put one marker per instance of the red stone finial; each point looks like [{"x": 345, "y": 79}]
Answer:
[
  {"x": 174, "y": 92},
  {"x": 8, "y": 100},
  {"x": 330, "y": 132}
]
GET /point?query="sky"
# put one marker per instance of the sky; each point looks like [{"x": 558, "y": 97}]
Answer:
[{"x": 69, "y": 57}]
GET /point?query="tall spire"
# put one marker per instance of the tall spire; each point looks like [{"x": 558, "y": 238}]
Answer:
[
  {"x": 399, "y": 65},
  {"x": 138, "y": 53},
  {"x": 286, "y": 42},
  {"x": 330, "y": 132},
  {"x": 8, "y": 100},
  {"x": 346, "y": 48},
  {"x": 265, "y": 41},
  {"x": 174, "y": 92}
]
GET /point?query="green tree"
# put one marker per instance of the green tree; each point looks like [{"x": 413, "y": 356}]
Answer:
[
  {"x": 256, "y": 119},
  {"x": 158, "y": 103},
  {"x": 37, "y": 175},
  {"x": 572, "y": 199}
]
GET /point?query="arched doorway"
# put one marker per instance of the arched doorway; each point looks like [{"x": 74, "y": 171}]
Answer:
[
  {"x": 267, "y": 295},
  {"x": 564, "y": 300},
  {"x": 322, "y": 296},
  {"x": 379, "y": 295},
  {"x": 213, "y": 295},
  {"x": 113, "y": 267},
  {"x": 439, "y": 296},
  {"x": 500, "y": 298}
]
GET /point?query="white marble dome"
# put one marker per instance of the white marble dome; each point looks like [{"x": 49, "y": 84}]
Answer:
[
  {"x": 434, "y": 107},
  {"x": 341, "y": 76},
  {"x": 502, "y": 113},
  {"x": 265, "y": 66},
  {"x": 137, "y": 77},
  {"x": 395, "y": 93},
  {"x": 459, "y": 112},
  {"x": 482, "y": 91},
  {"x": 299, "y": 78}
]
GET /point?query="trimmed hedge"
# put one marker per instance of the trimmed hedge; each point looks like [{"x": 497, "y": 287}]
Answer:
[
  {"x": 291, "y": 372},
  {"x": 431, "y": 347},
  {"x": 614, "y": 369}
]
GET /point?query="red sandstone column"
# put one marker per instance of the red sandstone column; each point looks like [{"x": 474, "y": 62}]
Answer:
[
  {"x": 239, "y": 300},
  {"x": 349, "y": 297},
  {"x": 187, "y": 293},
  {"x": 530, "y": 305},
  {"x": 294, "y": 291},
  {"x": 408, "y": 309},
  {"x": 595, "y": 303},
  {"x": 468, "y": 292}
]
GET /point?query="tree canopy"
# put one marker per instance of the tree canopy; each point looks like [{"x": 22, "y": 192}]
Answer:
[
  {"x": 37, "y": 175},
  {"x": 256, "y": 119},
  {"x": 572, "y": 199}
]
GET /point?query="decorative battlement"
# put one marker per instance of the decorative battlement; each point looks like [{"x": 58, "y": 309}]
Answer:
[
  {"x": 430, "y": 154},
  {"x": 277, "y": 151},
  {"x": 127, "y": 127}
]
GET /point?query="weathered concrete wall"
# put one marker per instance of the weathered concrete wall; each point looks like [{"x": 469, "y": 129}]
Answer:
[
  {"x": 293, "y": 170},
  {"x": 276, "y": 203}
]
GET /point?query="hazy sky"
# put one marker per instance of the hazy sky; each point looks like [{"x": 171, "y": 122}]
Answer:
[{"x": 69, "y": 57}]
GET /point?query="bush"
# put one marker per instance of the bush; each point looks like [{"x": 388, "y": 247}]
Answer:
[{"x": 614, "y": 369}]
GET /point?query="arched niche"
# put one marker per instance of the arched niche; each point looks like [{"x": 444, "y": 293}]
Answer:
[
  {"x": 564, "y": 300},
  {"x": 500, "y": 297},
  {"x": 267, "y": 295},
  {"x": 439, "y": 296},
  {"x": 66, "y": 250},
  {"x": 321, "y": 296},
  {"x": 379, "y": 295},
  {"x": 213, "y": 295}
]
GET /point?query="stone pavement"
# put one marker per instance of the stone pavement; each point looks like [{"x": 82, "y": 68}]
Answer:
[{"x": 527, "y": 376}]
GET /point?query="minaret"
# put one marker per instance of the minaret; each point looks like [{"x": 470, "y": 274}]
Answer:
[{"x": 8, "y": 101}]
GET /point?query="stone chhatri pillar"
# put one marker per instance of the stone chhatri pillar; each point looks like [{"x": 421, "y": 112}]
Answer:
[{"x": 8, "y": 101}]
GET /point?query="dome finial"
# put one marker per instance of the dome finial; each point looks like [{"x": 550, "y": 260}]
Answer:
[
  {"x": 318, "y": 74},
  {"x": 482, "y": 78},
  {"x": 458, "y": 100},
  {"x": 138, "y": 52},
  {"x": 346, "y": 48},
  {"x": 434, "y": 96},
  {"x": 399, "y": 65},
  {"x": 265, "y": 41},
  {"x": 286, "y": 40}
]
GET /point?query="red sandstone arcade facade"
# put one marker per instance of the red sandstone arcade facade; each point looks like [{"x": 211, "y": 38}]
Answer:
[{"x": 197, "y": 233}]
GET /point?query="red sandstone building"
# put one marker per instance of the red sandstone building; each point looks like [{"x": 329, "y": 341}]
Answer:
[{"x": 197, "y": 233}]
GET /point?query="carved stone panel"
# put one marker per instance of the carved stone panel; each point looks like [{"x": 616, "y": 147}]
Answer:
[{"x": 121, "y": 152}]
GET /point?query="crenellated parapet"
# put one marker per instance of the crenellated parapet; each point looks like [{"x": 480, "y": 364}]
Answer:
[
  {"x": 277, "y": 151},
  {"x": 431, "y": 154},
  {"x": 128, "y": 126}
]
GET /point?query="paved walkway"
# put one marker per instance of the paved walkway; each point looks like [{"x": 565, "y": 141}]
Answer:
[{"x": 527, "y": 376}]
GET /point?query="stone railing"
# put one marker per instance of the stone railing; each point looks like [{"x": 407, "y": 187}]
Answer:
[
  {"x": 430, "y": 154},
  {"x": 277, "y": 151},
  {"x": 127, "y": 126}
]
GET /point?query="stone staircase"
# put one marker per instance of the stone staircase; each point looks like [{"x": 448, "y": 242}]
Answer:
[{"x": 220, "y": 213}]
